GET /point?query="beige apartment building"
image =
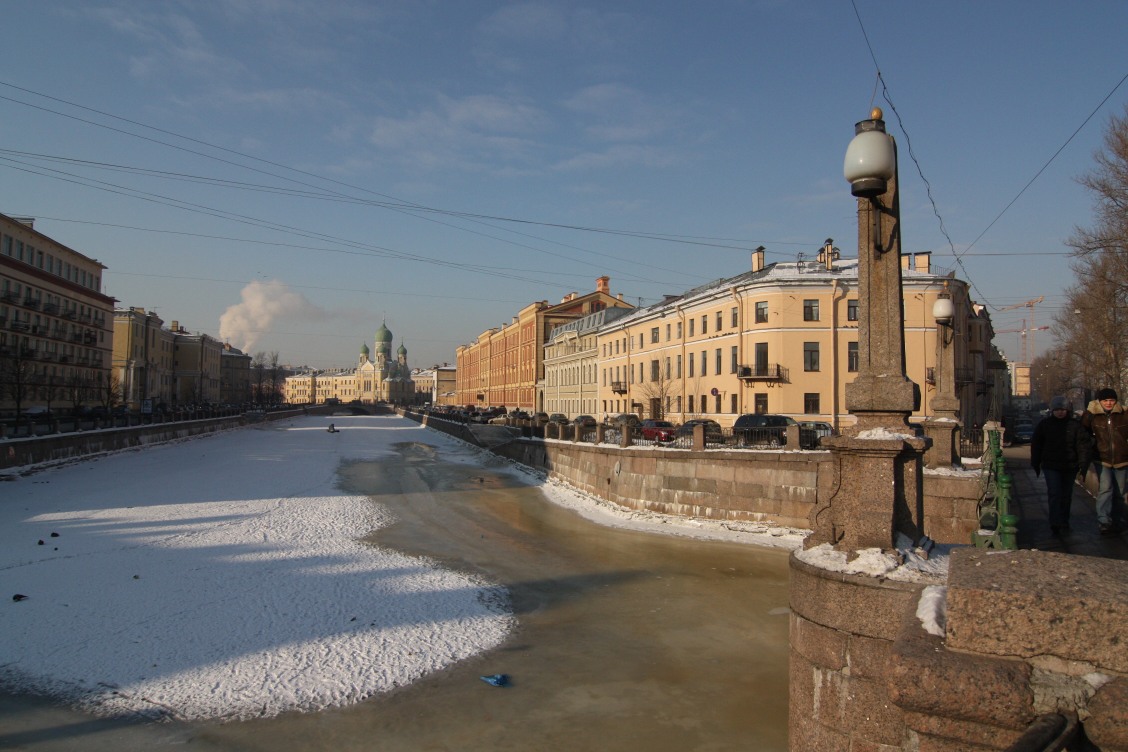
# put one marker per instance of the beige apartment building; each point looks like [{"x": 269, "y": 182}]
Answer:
[
  {"x": 196, "y": 368},
  {"x": 143, "y": 358},
  {"x": 571, "y": 365},
  {"x": 503, "y": 366},
  {"x": 56, "y": 330},
  {"x": 234, "y": 376},
  {"x": 781, "y": 339}
]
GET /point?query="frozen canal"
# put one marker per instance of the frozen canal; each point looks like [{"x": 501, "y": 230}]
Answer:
[{"x": 614, "y": 638}]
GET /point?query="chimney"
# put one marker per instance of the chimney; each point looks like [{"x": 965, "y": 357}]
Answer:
[
  {"x": 758, "y": 259},
  {"x": 922, "y": 262},
  {"x": 176, "y": 326},
  {"x": 906, "y": 262},
  {"x": 603, "y": 285}
]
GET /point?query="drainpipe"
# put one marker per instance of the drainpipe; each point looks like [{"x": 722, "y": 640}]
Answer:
[
  {"x": 739, "y": 348},
  {"x": 837, "y": 369}
]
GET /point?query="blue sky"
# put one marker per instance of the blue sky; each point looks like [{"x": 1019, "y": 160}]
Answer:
[{"x": 289, "y": 173}]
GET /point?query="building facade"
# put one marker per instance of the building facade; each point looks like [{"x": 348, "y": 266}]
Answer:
[
  {"x": 781, "y": 339},
  {"x": 56, "y": 325},
  {"x": 143, "y": 358},
  {"x": 234, "y": 376},
  {"x": 196, "y": 368},
  {"x": 504, "y": 366},
  {"x": 571, "y": 365}
]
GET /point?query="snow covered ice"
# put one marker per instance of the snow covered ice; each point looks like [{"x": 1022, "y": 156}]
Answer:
[{"x": 225, "y": 579}]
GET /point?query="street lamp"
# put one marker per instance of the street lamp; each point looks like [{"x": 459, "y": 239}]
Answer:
[
  {"x": 944, "y": 313},
  {"x": 871, "y": 162}
]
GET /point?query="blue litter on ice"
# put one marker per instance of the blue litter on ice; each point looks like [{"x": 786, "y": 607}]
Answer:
[{"x": 497, "y": 680}]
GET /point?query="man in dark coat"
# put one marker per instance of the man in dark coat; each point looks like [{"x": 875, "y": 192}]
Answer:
[
  {"x": 1060, "y": 448},
  {"x": 1107, "y": 421}
]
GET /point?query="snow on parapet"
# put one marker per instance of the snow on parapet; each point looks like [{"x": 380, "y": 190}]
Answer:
[{"x": 883, "y": 433}]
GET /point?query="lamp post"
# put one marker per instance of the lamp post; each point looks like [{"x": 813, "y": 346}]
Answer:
[
  {"x": 944, "y": 424},
  {"x": 878, "y": 495}
]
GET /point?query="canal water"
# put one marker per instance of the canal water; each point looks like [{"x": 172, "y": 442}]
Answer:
[{"x": 626, "y": 640}]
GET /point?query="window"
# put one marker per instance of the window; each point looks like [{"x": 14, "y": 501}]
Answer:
[
  {"x": 668, "y": 375},
  {"x": 704, "y": 323},
  {"x": 655, "y": 372},
  {"x": 679, "y": 361},
  {"x": 654, "y": 336},
  {"x": 690, "y": 409},
  {"x": 691, "y": 368},
  {"x": 679, "y": 330},
  {"x": 852, "y": 357},
  {"x": 704, "y": 363},
  {"x": 691, "y": 327},
  {"x": 717, "y": 365},
  {"x": 811, "y": 310},
  {"x": 733, "y": 408},
  {"x": 851, "y": 310},
  {"x": 762, "y": 312},
  {"x": 761, "y": 401},
  {"x": 717, "y": 407},
  {"x": 732, "y": 359},
  {"x": 720, "y": 322},
  {"x": 811, "y": 403},
  {"x": 735, "y": 317},
  {"x": 810, "y": 356},
  {"x": 667, "y": 332}
]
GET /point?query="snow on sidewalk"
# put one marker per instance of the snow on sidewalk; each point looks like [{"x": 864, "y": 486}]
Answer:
[{"x": 223, "y": 578}]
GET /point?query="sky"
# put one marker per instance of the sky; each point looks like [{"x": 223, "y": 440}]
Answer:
[
  {"x": 128, "y": 560},
  {"x": 287, "y": 175}
]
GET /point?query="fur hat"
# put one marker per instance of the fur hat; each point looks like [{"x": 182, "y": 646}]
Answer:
[
  {"x": 1059, "y": 403},
  {"x": 1106, "y": 393}
]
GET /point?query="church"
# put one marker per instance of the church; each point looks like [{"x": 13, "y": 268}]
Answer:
[{"x": 378, "y": 377}]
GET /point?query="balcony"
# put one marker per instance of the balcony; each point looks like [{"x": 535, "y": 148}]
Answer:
[
  {"x": 20, "y": 326},
  {"x": 31, "y": 303},
  {"x": 762, "y": 372},
  {"x": 619, "y": 387},
  {"x": 50, "y": 307},
  {"x": 8, "y": 296}
]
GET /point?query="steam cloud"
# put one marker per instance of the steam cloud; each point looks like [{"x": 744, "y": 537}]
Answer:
[{"x": 263, "y": 304}]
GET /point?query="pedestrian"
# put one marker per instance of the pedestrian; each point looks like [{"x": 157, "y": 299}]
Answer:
[
  {"x": 1107, "y": 421},
  {"x": 1059, "y": 449}
]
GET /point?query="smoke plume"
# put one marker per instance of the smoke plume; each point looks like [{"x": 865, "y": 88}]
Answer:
[{"x": 264, "y": 303}]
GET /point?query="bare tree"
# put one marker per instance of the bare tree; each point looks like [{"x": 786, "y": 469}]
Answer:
[
  {"x": 1093, "y": 326},
  {"x": 18, "y": 379},
  {"x": 258, "y": 377},
  {"x": 275, "y": 377}
]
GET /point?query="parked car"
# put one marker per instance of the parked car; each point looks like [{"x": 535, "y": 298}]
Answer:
[
  {"x": 540, "y": 416},
  {"x": 1022, "y": 433},
  {"x": 713, "y": 432},
  {"x": 658, "y": 430},
  {"x": 628, "y": 419},
  {"x": 763, "y": 429},
  {"x": 519, "y": 415},
  {"x": 560, "y": 418},
  {"x": 586, "y": 421},
  {"x": 37, "y": 411},
  {"x": 822, "y": 430}
]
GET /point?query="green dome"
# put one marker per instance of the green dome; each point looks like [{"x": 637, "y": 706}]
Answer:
[
  {"x": 383, "y": 335},
  {"x": 402, "y": 350},
  {"x": 364, "y": 349}
]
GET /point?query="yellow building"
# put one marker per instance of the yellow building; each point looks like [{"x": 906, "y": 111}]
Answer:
[
  {"x": 143, "y": 358},
  {"x": 780, "y": 339},
  {"x": 571, "y": 365},
  {"x": 56, "y": 326},
  {"x": 195, "y": 367},
  {"x": 503, "y": 366}
]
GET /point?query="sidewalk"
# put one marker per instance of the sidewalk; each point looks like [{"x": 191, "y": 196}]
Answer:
[{"x": 1083, "y": 539}]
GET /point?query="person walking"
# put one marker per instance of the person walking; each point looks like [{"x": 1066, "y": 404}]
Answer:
[
  {"x": 1060, "y": 448},
  {"x": 1107, "y": 421}
]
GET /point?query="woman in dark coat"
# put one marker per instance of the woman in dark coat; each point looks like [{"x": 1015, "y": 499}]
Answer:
[{"x": 1060, "y": 448}]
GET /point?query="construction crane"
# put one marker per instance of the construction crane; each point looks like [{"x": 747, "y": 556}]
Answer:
[
  {"x": 1021, "y": 332},
  {"x": 1028, "y": 304}
]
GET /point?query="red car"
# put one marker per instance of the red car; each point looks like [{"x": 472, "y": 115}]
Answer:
[{"x": 658, "y": 430}]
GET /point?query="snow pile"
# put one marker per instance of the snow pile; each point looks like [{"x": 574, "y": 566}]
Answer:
[
  {"x": 906, "y": 563},
  {"x": 223, "y": 578},
  {"x": 882, "y": 433},
  {"x": 932, "y": 609}
]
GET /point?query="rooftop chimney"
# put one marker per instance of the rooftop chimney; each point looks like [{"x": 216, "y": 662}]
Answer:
[
  {"x": 603, "y": 285},
  {"x": 758, "y": 259},
  {"x": 922, "y": 262}
]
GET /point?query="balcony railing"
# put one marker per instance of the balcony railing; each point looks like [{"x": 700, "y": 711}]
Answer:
[
  {"x": 619, "y": 387},
  {"x": 762, "y": 372}
]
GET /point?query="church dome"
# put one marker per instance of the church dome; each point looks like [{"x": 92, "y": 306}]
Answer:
[
  {"x": 364, "y": 349},
  {"x": 402, "y": 350},
  {"x": 383, "y": 335}
]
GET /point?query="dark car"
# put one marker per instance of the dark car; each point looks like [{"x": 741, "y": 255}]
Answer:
[
  {"x": 560, "y": 418},
  {"x": 658, "y": 430},
  {"x": 585, "y": 421},
  {"x": 1023, "y": 433},
  {"x": 763, "y": 429},
  {"x": 629, "y": 419},
  {"x": 713, "y": 432}
]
